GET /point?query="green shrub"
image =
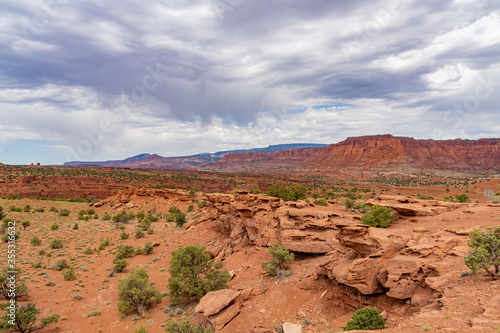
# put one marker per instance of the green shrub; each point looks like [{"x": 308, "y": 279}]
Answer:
[
  {"x": 123, "y": 217},
  {"x": 36, "y": 265},
  {"x": 379, "y": 217},
  {"x": 124, "y": 235},
  {"x": 192, "y": 274},
  {"x": 176, "y": 216},
  {"x": 50, "y": 319},
  {"x": 144, "y": 224},
  {"x": 462, "y": 197},
  {"x": 330, "y": 194},
  {"x": 75, "y": 226},
  {"x": 320, "y": 202},
  {"x": 94, "y": 313},
  {"x": 54, "y": 226},
  {"x": 103, "y": 245},
  {"x": 60, "y": 265},
  {"x": 11, "y": 236},
  {"x": 120, "y": 265},
  {"x": 69, "y": 274},
  {"x": 151, "y": 218},
  {"x": 52, "y": 209},
  {"x": 174, "y": 210},
  {"x": 366, "y": 319},
  {"x": 279, "y": 256},
  {"x": 139, "y": 234},
  {"x": 15, "y": 209},
  {"x": 486, "y": 251},
  {"x": 21, "y": 289},
  {"x": 125, "y": 251},
  {"x": 190, "y": 209},
  {"x": 88, "y": 251},
  {"x": 348, "y": 203},
  {"x": 135, "y": 290},
  {"x": 106, "y": 217},
  {"x": 141, "y": 329},
  {"x": 27, "y": 208},
  {"x": 25, "y": 224},
  {"x": 26, "y": 318},
  {"x": 35, "y": 241},
  {"x": 148, "y": 248},
  {"x": 361, "y": 207},
  {"x": 186, "y": 326},
  {"x": 180, "y": 219},
  {"x": 56, "y": 244},
  {"x": 448, "y": 198},
  {"x": 64, "y": 212},
  {"x": 291, "y": 193}
]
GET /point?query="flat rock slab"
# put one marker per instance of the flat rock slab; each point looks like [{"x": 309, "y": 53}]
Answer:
[
  {"x": 213, "y": 302},
  {"x": 292, "y": 328}
]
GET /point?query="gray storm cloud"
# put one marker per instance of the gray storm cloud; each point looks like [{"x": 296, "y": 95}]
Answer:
[{"x": 248, "y": 64}]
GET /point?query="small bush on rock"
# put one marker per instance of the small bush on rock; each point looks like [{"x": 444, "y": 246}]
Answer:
[
  {"x": 280, "y": 255},
  {"x": 366, "y": 319},
  {"x": 379, "y": 217},
  {"x": 486, "y": 251}
]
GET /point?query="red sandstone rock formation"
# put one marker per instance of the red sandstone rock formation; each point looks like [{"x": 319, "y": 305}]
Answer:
[{"x": 376, "y": 152}]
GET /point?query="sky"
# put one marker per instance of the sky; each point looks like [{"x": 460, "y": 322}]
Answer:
[{"x": 99, "y": 80}]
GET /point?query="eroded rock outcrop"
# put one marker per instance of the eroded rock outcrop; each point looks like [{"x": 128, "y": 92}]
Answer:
[
  {"x": 262, "y": 221},
  {"x": 381, "y": 260},
  {"x": 408, "y": 206}
]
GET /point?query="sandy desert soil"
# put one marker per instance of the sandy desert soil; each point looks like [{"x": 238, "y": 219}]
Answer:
[{"x": 317, "y": 302}]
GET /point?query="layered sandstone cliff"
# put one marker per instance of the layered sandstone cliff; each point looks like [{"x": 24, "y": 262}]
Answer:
[{"x": 377, "y": 152}]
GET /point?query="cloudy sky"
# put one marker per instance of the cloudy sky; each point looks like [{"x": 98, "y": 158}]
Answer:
[{"x": 98, "y": 80}]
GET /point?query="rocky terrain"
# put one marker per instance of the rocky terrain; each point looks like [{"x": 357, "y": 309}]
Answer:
[{"x": 411, "y": 271}]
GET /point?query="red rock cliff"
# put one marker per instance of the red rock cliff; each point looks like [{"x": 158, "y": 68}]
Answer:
[{"x": 379, "y": 151}]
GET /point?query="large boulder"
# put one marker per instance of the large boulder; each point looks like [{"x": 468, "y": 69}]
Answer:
[
  {"x": 374, "y": 260},
  {"x": 213, "y": 302},
  {"x": 221, "y": 306}
]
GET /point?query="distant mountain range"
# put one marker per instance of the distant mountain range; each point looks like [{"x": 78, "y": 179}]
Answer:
[
  {"x": 377, "y": 152},
  {"x": 380, "y": 153},
  {"x": 154, "y": 161}
]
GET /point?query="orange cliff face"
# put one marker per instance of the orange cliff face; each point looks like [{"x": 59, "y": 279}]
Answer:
[
  {"x": 376, "y": 152},
  {"x": 382, "y": 150}
]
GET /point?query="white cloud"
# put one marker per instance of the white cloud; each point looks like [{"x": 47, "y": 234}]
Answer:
[{"x": 236, "y": 79}]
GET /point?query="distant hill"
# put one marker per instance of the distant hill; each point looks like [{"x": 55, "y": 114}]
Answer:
[
  {"x": 154, "y": 161},
  {"x": 378, "y": 152}
]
